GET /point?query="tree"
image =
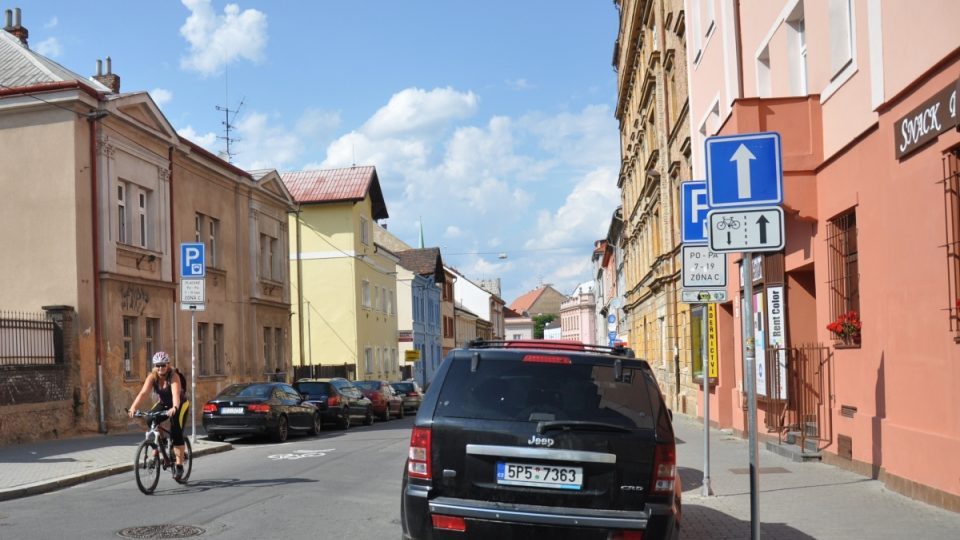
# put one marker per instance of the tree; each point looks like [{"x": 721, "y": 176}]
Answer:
[{"x": 539, "y": 321}]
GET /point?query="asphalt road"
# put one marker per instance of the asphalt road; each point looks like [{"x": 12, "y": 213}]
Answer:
[{"x": 340, "y": 484}]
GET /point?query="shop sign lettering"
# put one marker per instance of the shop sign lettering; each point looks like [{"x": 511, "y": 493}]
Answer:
[{"x": 927, "y": 121}]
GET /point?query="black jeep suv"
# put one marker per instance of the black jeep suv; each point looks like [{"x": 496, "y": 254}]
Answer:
[{"x": 542, "y": 439}]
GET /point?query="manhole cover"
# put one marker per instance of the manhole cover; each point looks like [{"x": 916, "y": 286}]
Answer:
[{"x": 161, "y": 531}]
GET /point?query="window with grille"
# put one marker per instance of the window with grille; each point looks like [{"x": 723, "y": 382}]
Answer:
[
  {"x": 951, "y": 195},
  {"x": 203, "y": 359},
  {"x": 218, "y": 349},
  {"x": 843, "y": 266}
]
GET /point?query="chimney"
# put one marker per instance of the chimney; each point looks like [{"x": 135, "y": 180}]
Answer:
[
  {"x": 107, "y": 79},
  {"x": 13, "y": 26}
]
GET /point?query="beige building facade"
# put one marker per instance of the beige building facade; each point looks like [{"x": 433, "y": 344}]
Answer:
[
  {"x": 650, "y": 59},
  {"x": 99, "y": 193}
]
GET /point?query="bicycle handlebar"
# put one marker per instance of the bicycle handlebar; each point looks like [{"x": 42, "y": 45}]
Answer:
[{"x": 152, "y": 415}]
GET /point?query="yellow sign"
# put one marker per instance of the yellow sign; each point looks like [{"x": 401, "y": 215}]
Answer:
[
  {"x": 712, "y": 341},
  {"x": 412, "y": 355}
]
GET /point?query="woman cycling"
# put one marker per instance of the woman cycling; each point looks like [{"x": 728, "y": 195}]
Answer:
[{"x": 170, "y": 391}]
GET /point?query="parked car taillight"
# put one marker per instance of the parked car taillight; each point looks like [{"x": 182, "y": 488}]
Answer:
[
  {"x": 333, "y": 401},
  {"x": 418, "y": 462},
  {"x": 664, "y": 469},
  {"x": 258, "y": 407},
  {"x": 412, "y": 394},
  {"x": 210, "y": 408}
]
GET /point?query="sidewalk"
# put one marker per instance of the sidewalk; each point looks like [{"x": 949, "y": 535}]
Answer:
[
  {"x": 42, "y": 466},
  {"x": 796, "y": 500}
]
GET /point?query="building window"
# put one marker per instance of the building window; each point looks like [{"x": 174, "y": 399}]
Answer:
[
  {"x": 841, "y": 34},
  {"x": 843, "y": 267},
  {"x": 207, "y": 230},
  {"x": 122, "y": 212},
  {"x": 278, "y": 346},
  {"x": 203, "y": 359},
  {"x": 218, "y": 349},
  {"x": 364, "y": 231},
  {"x": 267, "y": 349},
  {"x": 151, "y": 342},
  {"x": 368, "y": 359},
  {"x": 268, "y": 258},
  {"x": 764, "y": 84},
  {"x": 376, "y": 296},
  {"x": 129, "y": 347},
  {"x": 365, "y": 292},
  {"x": 142, "y": 214}
]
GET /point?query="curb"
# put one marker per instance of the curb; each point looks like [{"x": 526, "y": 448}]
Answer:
[{"x": 55, "y": 484}]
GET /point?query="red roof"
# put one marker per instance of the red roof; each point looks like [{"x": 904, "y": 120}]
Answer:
[
  {"x": 337, "y": 185},
  {"x": 523, "y": 302}
]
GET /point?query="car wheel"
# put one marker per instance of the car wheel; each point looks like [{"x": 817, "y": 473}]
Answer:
[
  {"x": 283, "y": 430},
  {"x": 345, "y": 419},
  {"x": 368, "y": 419},
  {"x": 317, "y": 425}
]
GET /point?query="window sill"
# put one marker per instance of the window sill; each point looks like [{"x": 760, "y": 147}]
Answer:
[{"x": 841, "y": 345}]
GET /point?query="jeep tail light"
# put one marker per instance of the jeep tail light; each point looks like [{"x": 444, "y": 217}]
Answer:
[
  {"x": 333, "y": 401},
  {"x": 664, "y": 469},
  {"x": 546, "y": 359},
  {"x": 258, "y": 407},
  {"x": 418, "y": 458},
  {"x": 449, "y": 523},
  {"x": 210, "y": 408}
]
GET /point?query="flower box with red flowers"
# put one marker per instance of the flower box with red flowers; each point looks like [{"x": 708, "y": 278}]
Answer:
[{"x": 847, "y": 327}]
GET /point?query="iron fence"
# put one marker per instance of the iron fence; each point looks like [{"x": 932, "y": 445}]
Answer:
[
  {"x": 28, "y": 339},
  {"x": 804, "y": 412}
]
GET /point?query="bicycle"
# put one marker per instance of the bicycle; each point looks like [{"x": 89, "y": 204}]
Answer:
[{"x": 156, "y": 452}]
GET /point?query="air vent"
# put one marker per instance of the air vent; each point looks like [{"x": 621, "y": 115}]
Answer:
[{"x": 848, "y": 411}]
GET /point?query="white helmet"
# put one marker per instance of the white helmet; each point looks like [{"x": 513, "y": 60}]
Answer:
[{"x": 161, "y": 358}]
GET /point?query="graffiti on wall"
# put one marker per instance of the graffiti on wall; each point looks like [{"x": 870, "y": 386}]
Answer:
[{"x": 133, "y": 298}]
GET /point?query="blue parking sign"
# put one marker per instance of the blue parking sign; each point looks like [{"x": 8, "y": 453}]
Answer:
[
  {"x": 192, "y": 260},
  {"x": 744, "y": 170},
  {"x": 693, "y": 212}
]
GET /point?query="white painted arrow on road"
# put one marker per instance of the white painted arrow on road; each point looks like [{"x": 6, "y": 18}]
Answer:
[{"x": 743, "y": 156}]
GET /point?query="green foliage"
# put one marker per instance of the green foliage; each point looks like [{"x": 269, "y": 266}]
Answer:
[{"x": 539, "y": 321}]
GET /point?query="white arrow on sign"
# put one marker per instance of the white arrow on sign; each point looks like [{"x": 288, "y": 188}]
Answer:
[{"x": 743, "y": 156}]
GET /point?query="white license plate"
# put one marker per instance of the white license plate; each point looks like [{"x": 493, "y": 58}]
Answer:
[
  {"x": 548, "y": 476},
  {"x": 231, "y": 410}
]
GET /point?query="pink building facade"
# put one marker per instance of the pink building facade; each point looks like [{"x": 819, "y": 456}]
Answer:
[
  {"x": 864, "y": 95},
  {"x": 578, "y": 316}
]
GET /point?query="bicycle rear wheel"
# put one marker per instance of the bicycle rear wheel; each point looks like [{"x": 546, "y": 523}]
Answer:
[
  {"x": 146, "y": 467},
  {"x": 187, "y": 461}
]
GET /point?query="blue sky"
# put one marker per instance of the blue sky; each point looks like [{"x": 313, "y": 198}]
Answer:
[{"x": 492, "y": 121}]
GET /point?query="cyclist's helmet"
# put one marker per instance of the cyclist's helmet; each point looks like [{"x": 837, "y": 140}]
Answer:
[{"x": 161, "y": 358}]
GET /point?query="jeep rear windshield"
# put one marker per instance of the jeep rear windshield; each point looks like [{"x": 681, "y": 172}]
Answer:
[{"x": 511, "y": 390}]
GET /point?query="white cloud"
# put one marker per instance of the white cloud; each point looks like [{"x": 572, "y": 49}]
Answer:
[
  {"x": 49, "y": 47},
  {"x": 217, "y": 40},
  {"x": 584, "y": 215},
  {"x": 161, "y": 96},
  {"x": 452, "y": 232},
  {"x": 265, "y": 145},
  {"x": 413, "y": 109},
  {"x": 52, "y": 23},
  {"x": 588, "y": 138},
  {"x": 316, "y": 122},
  {"x": 207, "y": 140},
  {"x": 520, "y": 84}
]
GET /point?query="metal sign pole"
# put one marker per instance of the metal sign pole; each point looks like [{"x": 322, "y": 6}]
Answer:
[
  {"x": 750, "y": 379},
  {"x": 705, "y": 488},
  {"x": 193, "y": 375}
]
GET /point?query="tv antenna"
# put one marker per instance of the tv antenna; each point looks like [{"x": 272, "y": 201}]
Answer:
[
  {"x": 227, "y": 123},
  {"x": 228, "y": 126}
]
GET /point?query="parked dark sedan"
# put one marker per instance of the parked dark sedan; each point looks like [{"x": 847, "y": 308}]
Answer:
[
  {"x": 386, "y": 401},
  {"x": 411, "y": 394},
  {"x": 273, "y": 409},
  {"x": 338, "y": 401}
]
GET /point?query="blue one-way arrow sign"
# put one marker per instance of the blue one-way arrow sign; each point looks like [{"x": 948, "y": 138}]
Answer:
[{"x": 744, "y": 170}]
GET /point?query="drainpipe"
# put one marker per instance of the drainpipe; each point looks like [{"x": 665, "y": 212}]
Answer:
[
  {"x": 173, "y": 262},
  {"x": 92, "y": 119},
  {"x": 300, "y": 289}
]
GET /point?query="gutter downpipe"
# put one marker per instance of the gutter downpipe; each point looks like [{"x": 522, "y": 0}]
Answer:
[
  {"x": 92, "y": 119},
  {"x": 173, "y": 264},
  {"x": 300, "y": 288}
]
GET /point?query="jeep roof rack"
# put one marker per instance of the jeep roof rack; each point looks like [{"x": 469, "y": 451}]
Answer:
[{"x": 563, "y": 345}]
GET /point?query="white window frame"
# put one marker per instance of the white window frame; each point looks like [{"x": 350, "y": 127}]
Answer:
[
  {"x": 214, "y": 233},
  {"x": 364, "y": 231},
  {"x": 365, "y": 293},
  {"x": 143, "y": 215},
  {"x": 368, "y": 359}
]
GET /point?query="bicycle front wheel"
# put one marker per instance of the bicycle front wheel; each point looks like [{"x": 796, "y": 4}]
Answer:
[
  {"x": 146, "y": 467},
  {"x": 187, "y": 461}
]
